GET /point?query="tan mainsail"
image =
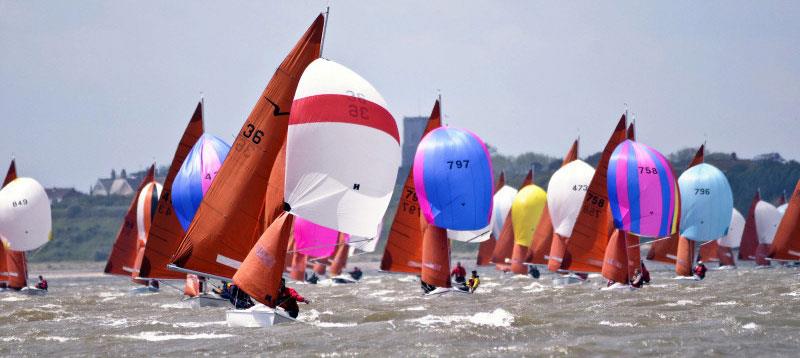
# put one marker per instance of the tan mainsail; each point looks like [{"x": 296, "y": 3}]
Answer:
[
  {"x": 543, "y": 236},
  {"x": 340, "y": 257},
  {"x": 403, "y": 252},
  {"x": 166, "y": 232},
  {"x": 786, "y": 244},
  {"x": 232, "y": 210},
  {"x": 747, "y": 248},
  {"x": 122, "y": 259},
  {"x": 585, "y": 250},
  {"x": 615, "y": 260}
]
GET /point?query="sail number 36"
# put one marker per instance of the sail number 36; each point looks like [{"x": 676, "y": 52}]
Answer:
[
  {"x": 356, "y": 110},
  {"x": 251, "y": 132}
]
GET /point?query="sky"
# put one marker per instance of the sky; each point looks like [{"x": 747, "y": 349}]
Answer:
[{"x": 87, "y": 86}]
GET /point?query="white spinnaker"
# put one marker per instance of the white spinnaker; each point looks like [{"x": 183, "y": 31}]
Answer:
[
  {"x": 735, "y": 231},
  {"x": 565, "y": 194},
  {"x": 364, "y": 244},
  {"x": 503, "y": 200},
  {"x": 25, "y": 218},
  {"x": 340, "y": 174},
  {"x": 767, "y": 219},
  {"x": 782, "y": 208},
  {"x": 146, "y": 198}
]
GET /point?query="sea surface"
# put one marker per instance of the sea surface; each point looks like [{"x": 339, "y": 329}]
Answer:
[{"x": 743, "y": 312}]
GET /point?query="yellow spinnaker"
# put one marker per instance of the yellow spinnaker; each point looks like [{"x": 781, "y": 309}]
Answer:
[{"x": 526, "y": 210}]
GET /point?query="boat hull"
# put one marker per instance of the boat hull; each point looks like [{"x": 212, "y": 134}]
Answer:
[
  {"x": 257, "y": 317},
  {"x": 32, "y": 291}
]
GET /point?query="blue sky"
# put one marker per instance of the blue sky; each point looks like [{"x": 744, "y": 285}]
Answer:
[{"x": 93, "y": 85}]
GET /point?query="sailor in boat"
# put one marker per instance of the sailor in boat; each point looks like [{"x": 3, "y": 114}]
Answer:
[
  {"x": 224, "y": 291},
  {"x": 154, "y": 284},
  {"x": 533, "y": 271},
  {"x": 356, "y": 273},
  {"x": 288, "y": 298},
  {"x": 459, "y": 273},
  {"x": 42, "y": 284},
  {"x": 638, "y": 279},
  {"x": 473, "y": 282},
  {"x": 311, "y": 278},
  {"x": 240, "y": 299},
  {"x": 426, "y": 287},
  {"x": 700, "y": 270},
  {"x": 645, "y": 274}
]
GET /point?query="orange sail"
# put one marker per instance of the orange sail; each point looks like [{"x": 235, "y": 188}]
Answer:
[
  {"x": 192, "y": 286},
  {"x": 340, "y": 257},
  {"x": 122, "y": 260},
  {"x": 685, "y": 258},
  {"x": 403, "y": 252},
  {"x": 435, "y": 255},
  {"x": 504, "y": 248},
  {"x": 747, "y": 248},
  {"x": 585, "y": 250},
  {"x": 543, "y": 236},
  {"x": 166, "y": 232},
  {"x": 486, "y": 248},
  {"x": 615, "y": 259},
  {"x": 786, "y": 245},
  {"x": 725, "y": 255},
  {"x": 708, "y": 251},
  {"x": 13, "y": 264},
  {"x": 260, "y": 272},
  {"x": 232, "y": 210},
  {"x": 299, "y": 262}
]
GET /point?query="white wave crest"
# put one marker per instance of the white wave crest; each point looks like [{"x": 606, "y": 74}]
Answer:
[
  {"x": 497, "y": 318},
  {"x": 158, "y": 336}
]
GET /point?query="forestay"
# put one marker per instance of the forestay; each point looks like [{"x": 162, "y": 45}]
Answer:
[
  {"x": 565, "y": 193},
  {"x": 343, "y": 150},
  {"x": 25, "y": 219},
  {"x": 196, "y": 175},
  {"x": 453, "y": 178},
  {"x": 706, "y": 203},
  {"x": 642, "y": 191}
]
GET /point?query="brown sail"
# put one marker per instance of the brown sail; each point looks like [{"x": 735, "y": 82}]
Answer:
[
  {"x": 340, "y": 257},
  {"x": 543, "y": 236},
  {"x": 122, "y": 259},
  {"x": 403, "y": 252},
  {"x": 486, "y": 248},
  {"x": 585, "y": 249},
  {"x": 260, "y": 272},
  {"x": 708, "y": 251},
  {"x": 615, "y": 259},
  {"x": 747, "y": 248},
  {"x": 234, "y": 206},
  {"x": 725, "y": 255},
  {"x": 435, "y": 255},
  {"x": 786, "y": 245},
  {"x": 504, "y": 248},
  {"x": 166, "y": 232},
  {"x": 684, "y": 257}
]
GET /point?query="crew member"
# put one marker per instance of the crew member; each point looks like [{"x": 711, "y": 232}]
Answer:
[
  {"x": 645, "y": 274},
  {"x": 459, "y": 273},
  {"x": 42, "y": 284},
  {"x": 700, "y": 270},
  {"x": 240, "y": 299},
  {"x": 473, "y": 282},
  {"x": 356, "y": 273},
  {"x": 638, "y": 280},
  {"x": 288, "y": 298}
]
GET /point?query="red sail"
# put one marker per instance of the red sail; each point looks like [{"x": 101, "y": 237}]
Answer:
[
  {"x": 543, "y": 236},
  {"x": 762, "y": 250},
  {"x": 786, "y": 245},
  {"x": 403, "y": 252},
  {"x": 340, "y": 257},
  {"x": 685, "y": 258},
  {"x": 233, "y": 208},
  {"x": 11, "y": 174},
  {"x": 166, "y": 232},
  {"x": 747, "y": 248},
  {"x": 13, "y": 264},
  {"x": 505, "y": 241},
  {"x": 260, "y": 272},
  {"x": 725, "y": 255},
  {"x": 664, "y": 250},
  {"x": 319, "y": 268},
  {"x": 708, "y": 251},
  {"x": 585, "y": 249},
  {"x": 634, "y": 252},
  {"x": 299, "y": 262},
  {"x": 615, "y": 259},
  {"x": 435, "y": 255},
  {"x": 486, "y": 248},
  {"x": 123, "y": 255}
]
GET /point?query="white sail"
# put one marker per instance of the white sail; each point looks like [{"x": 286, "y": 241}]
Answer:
[
  {"x": 503, "y": 200},
  {"x": 146, "y": 208},
  {"x": 565, "y": 194},
  {"x": 342, "y": 150},
  {"x": 782, "y": 208},
  {"x": 363, "y": 243},
  {"x": 734, "y": 236},
  {"x": 25, "y": 219},
  {"x": 767, "y": 219}
]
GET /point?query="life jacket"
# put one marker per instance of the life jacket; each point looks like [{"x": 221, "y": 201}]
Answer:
[{"x": 473, "y": 282}]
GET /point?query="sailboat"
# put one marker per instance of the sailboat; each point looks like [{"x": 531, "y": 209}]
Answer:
[
  {"x": 454, "y": 184},
  {"x": 247, "y": 193},
  {"x": 644, "y": 201},
  {"x": 749, "y": 242},
  {"x": 731, "y": 240},
  {"x": 504, "y": 248},
  {"x": 25, "y": 225},
  {"x": 323, "y": 182},
  {"x": 527, "y": 211},
  {"x": 786, "y": 244},
  {"x": 767, "y": 219},
  {"x": 122, "y": 261},
  {"x": 582, "y": 247},
  {"x": 539, "y": 251},
  {"x": 403, "y": 251},
  {"x": 311, "y": 241},
  {"x": 486, "y": 248}
]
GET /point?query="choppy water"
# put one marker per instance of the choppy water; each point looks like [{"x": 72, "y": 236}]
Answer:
[{"x": 744, "y": 312}]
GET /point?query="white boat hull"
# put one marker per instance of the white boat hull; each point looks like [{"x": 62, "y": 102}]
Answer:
[
  {"x": 256, "y": 317},
  {"x": 687, "y": 279},
  {"x": 445, "y": 290},
  {"x": 619, "y": 287},
  {"x": 141, "y": 290},
  {"x": 568, "y": 280},
  {"x": 32, "y": 291},
  {"x": 725, "y": 268},
  {"x": 343, "y": 279}
]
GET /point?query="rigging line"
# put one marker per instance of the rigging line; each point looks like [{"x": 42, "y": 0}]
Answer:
[
  {"x": 649, "y": 242},
  {"x": 324, "y": 246}
]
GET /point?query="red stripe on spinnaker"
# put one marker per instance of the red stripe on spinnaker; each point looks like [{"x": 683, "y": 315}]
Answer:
[{"x": 343, "y": 109}]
